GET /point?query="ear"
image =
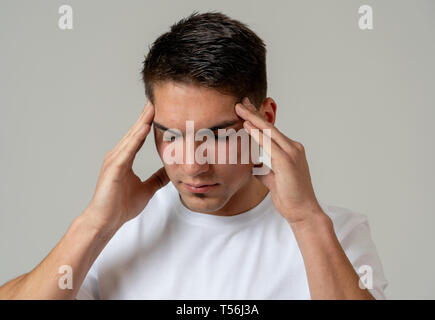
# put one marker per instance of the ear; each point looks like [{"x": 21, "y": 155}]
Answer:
[{"x": 268, "y": 110}]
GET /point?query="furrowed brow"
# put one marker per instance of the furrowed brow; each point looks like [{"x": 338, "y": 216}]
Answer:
[
  {"x": 224, "y": 125},
  {"x": 163, "y": 128},
  {"x": 221, "y": 125}
]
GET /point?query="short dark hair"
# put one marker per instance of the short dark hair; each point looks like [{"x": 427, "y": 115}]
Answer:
[{"x": 211, "y": 50}]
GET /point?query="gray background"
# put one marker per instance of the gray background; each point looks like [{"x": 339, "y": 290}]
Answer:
[{"x": 362, "y": 103}]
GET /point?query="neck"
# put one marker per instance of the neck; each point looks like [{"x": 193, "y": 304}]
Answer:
[{"x": 246, "y": 198}]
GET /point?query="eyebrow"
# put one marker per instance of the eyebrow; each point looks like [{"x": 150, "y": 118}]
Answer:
[{"x": 222, "y": 125}]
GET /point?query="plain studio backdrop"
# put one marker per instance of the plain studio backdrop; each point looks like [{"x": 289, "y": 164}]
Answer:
[{"x": 361, "y": 101}]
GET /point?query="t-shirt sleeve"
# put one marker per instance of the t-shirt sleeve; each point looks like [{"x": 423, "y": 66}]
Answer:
[
  {"x": 89, "y": 288},
  {"x": 354, "y": 234}
]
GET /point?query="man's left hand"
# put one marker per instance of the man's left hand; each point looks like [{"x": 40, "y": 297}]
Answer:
[{"x": 289, "y": 181}]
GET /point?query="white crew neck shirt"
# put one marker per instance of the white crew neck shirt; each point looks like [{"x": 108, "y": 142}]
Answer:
[{"x": 171, "y": 252}]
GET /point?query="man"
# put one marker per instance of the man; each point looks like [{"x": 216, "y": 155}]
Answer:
[{"x": 210, "y": 230}]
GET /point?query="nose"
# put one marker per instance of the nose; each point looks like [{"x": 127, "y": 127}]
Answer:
[
  {"x": 195, "y": 169},
  {"x": 190, "y": 164}
]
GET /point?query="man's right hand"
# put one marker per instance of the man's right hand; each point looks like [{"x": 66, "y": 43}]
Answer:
[{"x": 120, "y": 195}]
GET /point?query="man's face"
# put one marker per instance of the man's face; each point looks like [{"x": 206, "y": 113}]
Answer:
[{"x": 176, "y": 103}]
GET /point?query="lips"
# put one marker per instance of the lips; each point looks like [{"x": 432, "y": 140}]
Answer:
[
  {"x": 197, "y": 185},
  {"x": 200, "y": 187}
]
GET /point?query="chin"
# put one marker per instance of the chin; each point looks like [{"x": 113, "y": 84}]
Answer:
[{"x": 202, "y": 203}]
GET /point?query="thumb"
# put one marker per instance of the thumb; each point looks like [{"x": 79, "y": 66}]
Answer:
[
  {"x": 158, "y": 180},
  {"x": 265, "y": 175}
]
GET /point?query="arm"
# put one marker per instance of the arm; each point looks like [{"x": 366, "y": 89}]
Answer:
[
  {"x": 78, "y": 248},
  {"x": 119, "y": 196},
  {"x": 330, "y": 274}
]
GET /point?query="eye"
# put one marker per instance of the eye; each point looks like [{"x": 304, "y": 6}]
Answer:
[
  {"x": 172, "y": 138},
  {"x": 223, "y": 138}
]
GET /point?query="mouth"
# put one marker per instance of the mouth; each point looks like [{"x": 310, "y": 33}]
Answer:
[{"x": 200, "y": 188}]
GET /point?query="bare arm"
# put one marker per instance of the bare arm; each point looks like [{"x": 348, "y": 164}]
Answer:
[
  {"x": 78, "y": 248},
  {"x": 119, "y": 196},
  {"x": 330, "y": 274}
]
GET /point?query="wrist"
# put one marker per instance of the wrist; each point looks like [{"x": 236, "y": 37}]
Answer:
[
  {"x": 88, "y": 220},
  {"x": 317, "y": 221}
]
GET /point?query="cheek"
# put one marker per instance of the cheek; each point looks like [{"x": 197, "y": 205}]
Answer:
[
  {"x": 160, "y": 144},
  {"x": 236, "y": 174},
  {"x": 233, "y": 174},
  {"x": 238, "y": 151},
  {"x": 160, "y": 147}
]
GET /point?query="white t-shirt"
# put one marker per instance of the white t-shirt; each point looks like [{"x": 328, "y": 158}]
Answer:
[{"x": 170, "y": 252}]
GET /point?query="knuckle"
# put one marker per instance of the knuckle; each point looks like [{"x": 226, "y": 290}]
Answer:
[
  {"x": 108, "y": 154},
  {"x": 112, "y": 162},
  {"x": 107, "y": 160},
  {"x": 287, "y": 157},
  {"x": 116, "y": 170},
  {"x": 299, "y": 146},
  {"x": 117, "y": 164},
  {"x": 140, "y": 132}
]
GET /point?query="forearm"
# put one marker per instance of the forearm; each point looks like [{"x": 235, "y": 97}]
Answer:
[
  {"x": 330, "y": 273},
  {"x": 78, "y": 248}
]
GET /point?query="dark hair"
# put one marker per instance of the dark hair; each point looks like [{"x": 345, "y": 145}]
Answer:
[{"x": 211, "y": 50}]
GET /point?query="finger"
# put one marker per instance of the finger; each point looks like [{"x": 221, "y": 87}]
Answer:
[
  {"x": 267, "y": 179},
  {"x": 127, "y": 149},
  {"x": 145, "y": 119},
  {"x": 149, "y": 116},
  {"x": 247, "y": 111},
  {"x": 147, "y": 111},
  {"x": 133, "y": 145},
  {"x": 269, "y": 146}
]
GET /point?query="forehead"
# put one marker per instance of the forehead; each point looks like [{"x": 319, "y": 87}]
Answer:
[{"x": 175, "y": 103}]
